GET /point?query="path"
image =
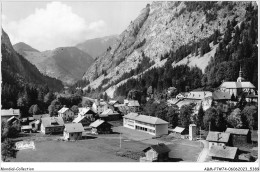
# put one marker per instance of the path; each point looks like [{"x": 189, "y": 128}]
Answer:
[{"x": 204, "y": 153}]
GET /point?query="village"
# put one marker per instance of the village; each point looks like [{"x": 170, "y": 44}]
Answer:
[{"x": 110, "y": 130}]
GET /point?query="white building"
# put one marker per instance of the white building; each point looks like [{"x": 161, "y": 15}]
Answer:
[
  {"x": 65, "y": 113},
  {"x": 73, "y": 131},
  {"x": 151, "y": 125}
]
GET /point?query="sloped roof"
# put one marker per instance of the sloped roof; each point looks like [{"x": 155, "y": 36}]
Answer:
[
  {"x": 41, "y": 116},
  {"x": 97, "y": 123},
  {"x": 145, "y": 118},
  {"x": 219, "y": 95},
  {"x": 133, "y": 103},
  {"x": 186, "y": 102},
  {"x": 24, "y": 127},
  {"x": 62, "y": 110},
  {"x": 112, "y": 102},
  {"x": 218, "y": 137},
  {"x": 198, "y": 95},
  {"x": 178, "y": 129},
  {"x": 223, "y": 152},
  {"x": 108, "y": 112},
  {"x": 173, "y": 101},
  {"x": 46, "y": 122},
  {"x": 74, "y": 127},
  {"x": 10, "y": 112},
  {"x": 83, "y": 111},
  {"x": 11, "y": 118},
  {"x": 78, "y": 119},
  {"x": 244, "y": 84},
  {"x": 237, "y": 131},
  {"x": 159, "y": 148}
]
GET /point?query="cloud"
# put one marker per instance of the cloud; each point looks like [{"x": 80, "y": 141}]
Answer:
[{"x": 54, "y": 26}]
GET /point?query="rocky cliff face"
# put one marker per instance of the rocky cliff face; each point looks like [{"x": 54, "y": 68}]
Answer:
[{"x": 161, "y": 27}]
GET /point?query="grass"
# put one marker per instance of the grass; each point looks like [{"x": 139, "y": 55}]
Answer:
[{"x": 91, "y": 150}]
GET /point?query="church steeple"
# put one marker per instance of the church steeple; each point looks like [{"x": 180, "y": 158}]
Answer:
[{"x": 240, "y": 77}]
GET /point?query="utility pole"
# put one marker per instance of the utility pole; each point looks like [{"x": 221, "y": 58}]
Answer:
[
  {"x": 209, "y": 125},
  {"x": 200, "y": 136},
  {"x": 120, "y": 140}
]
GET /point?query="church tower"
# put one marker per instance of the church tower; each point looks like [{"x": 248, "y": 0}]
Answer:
[{"x": 240, "y": 78}]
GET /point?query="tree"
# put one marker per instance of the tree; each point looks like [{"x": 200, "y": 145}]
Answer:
[
  {"x": 199, "y": 119},
  {"x": 36, "y": 110},
  {"x": 185, "y": 116},
  {"x": 105, "y": 96},
  {"x": 48, "y": 98},
  {"x": 209, "y": 119},
  {"x": 249, "y": 113},
  {"x": 234, "y": 119},
  {"x": 173, "y": 116},
  {"x": 75, "y": 109},
  {"x": 31, "y": 110},
  {"x": 8, "y": 150},
  {"x": 54, "y": 108}
]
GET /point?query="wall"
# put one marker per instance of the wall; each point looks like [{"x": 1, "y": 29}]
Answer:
[
  {"x": 161, "y": 129},
  {"x": 129, "y": 123},
  {"x": 216, "y": 144}
]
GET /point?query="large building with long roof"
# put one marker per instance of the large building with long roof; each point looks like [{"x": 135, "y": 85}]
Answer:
[
  {"x": 236, "y": 88},
  {"x": 149, "y": 124}
]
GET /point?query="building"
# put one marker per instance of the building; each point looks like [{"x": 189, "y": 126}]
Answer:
[
  {"x": 239, "y": 87},
  {"x": 87, "y": 112},
  {"x": 239, "y": 136},
  {"x": 26, "y": 129},
  {"x": 178, "y": 132},
  {"x": 218, "y": 139},
  {"x": 8, "y": 113},
  {"x": 13, "y": 120},
  {"x": 84, "y": 120},
  {"x": 66, "y": 114},
  {"x": 39, "y": 117},
  {"x": 110, "y": 115},
  {"x": 52, "y": 125},
  {"x": 192, "y": 132},
  {"x": 156, "y": 153},
  {"x": 73, "y": 131},
  {"x": 223, "y": 153},
  {"x": 182, "y": 95},
  {"x": 99, "y": 106},
  {"x": 151, "y": 125},
  {"x": 101, "y": 127},
  {"x": 133, "y": 105},
  {"x": 36, "y": 124}
]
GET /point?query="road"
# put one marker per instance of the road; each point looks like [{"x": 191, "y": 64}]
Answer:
[{"x": 204, "y": 153}]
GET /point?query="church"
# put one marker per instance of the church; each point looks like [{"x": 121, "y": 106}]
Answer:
[{"x": 236, "y": 88}]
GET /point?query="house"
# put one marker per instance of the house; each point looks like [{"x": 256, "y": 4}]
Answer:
[
  {"x": 239, "y": 136},
  {"x": 126, "y": 102},
  {"x": 223, "y": 153},
  {"x": 110, "y": 115},
  {"x": 66, "y": 114},
  {"x": 151, "y": 125},
  {"x": 88, "y": 113},
  {"x": 73, "y": 131},
  {"x": 26, "y": 129},
  {"x": 39, "y": 117},
  {"x": 182, "y": 95},
  {"x": 218, "y": 139},
  {"x": 239, "y": 87},
  {"x": 7, "y": 113},
  {"x": 84, "y": 120},
  {"x": 156, "y": 153},
  {"x": 133, "y": 105},
  {"x": 13, "y": 120},
  {"x": 52, "y": 125},
  {"x": 251, "y": 98},
  {"x": 178, "y": 132},
  {"x": 99, "y": 106},
  {"x": 36, "y": 124},
  {"x": 100, "y": 127}
]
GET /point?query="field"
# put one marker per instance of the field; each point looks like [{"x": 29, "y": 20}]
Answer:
[{"x": 103, "y": 149}]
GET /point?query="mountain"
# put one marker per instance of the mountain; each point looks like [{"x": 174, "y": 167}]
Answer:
[
  {"x": 67, "y": 64},
  {"x": 16, "y": 70},
  {"x": 96, "y": 47},
  {"x": 164, "y": 28}
]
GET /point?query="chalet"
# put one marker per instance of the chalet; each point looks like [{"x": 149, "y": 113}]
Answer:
[
  {"x": 110, "y": 115},
  {"x": 236, "y": 88},
  {"x": 73, "y": 131},
  {"x": 251, "y": 98},
  {"x": 223, "y": 153},
  {"x": 112, "y": 104},
  {"x": 99, "y": 106},
  {"x": 66, "y": 114},
  {"x": 8, "y": 113},
  {"x": 133, "y": 105},
  {"x": 151, "y": 125},
  {"x": 87, "y": 112},
  {"x": 156, "y": 153},
  {"x": 13, "y": 120},
  {"x": 239, "y": 136},
  {"x": 26, "y": 129},
  {"x": 178, "y": 132},
  {"x": 100, "y": 127},
  {"x": 84, "y": 120},
  {"x": 218, "y": 139},
  {"x": 52, "y": 125}
]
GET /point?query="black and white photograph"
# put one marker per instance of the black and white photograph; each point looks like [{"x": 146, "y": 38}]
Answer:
[{"x": 128, "y": 82}]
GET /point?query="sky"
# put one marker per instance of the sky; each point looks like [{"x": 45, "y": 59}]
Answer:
[{"x": 48, "y": 25}]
